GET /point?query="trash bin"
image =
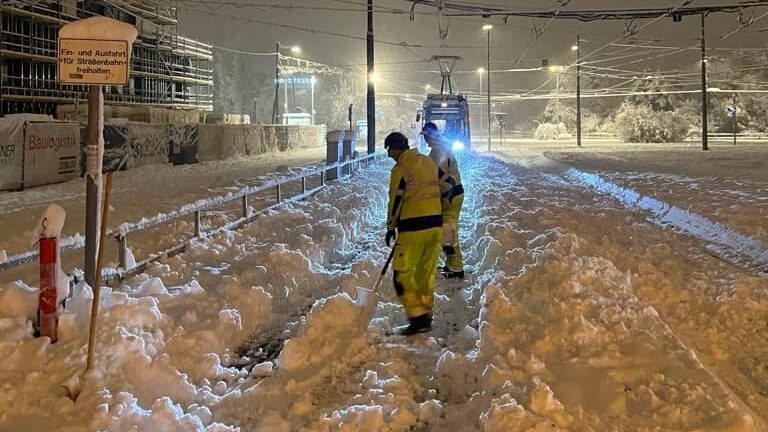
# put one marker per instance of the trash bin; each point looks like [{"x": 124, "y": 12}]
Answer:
[
  {"x": 348, "y": 150},
  {"x": 334, "y": 141},
  {"x": 340, "y": 146}
]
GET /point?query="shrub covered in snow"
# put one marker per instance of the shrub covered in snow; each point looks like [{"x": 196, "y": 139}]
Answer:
[
  {"x": 640, "y": 123},
  {"x": 550, "y": 131}
]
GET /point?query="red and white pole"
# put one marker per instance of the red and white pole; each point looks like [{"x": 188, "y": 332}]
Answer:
[{"x": 47, "y": 304}]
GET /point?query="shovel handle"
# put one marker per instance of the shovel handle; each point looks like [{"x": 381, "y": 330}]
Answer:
[{"x": 384, "y": 269}]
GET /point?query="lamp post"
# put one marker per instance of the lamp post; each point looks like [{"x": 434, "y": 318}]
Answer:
[
  {"x": 295, "y": 50},
  {"x": 480, "y": 72},
  {"x": 577, "y": 49},
  {"x": 487, "y": 28}
]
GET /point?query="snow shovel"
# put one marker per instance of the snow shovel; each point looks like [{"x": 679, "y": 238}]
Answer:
[{"x": 384, "y": 270}]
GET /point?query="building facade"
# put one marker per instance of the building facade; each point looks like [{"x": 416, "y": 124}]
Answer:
[{"x": 167, "y": 70}]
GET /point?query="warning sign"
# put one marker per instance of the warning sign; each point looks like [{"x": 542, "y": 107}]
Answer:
[{"x": 85, "y": 61}]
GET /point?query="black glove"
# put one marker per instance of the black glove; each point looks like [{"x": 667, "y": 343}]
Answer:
[{"x": 390, "y": 235}]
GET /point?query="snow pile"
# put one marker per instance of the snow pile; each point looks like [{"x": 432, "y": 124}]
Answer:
[{"x": 335, "y": 329}]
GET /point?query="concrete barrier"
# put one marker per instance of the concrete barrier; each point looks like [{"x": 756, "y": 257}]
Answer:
[
  {"x": 51, "y": 152},
  {"x": 282, "y": 137},
  {"x": 149, "y": 144}
]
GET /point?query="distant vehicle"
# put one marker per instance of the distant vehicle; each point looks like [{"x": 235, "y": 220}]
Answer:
[
  {"x": 297, "y": 119},
  {"x": 451, "y": 115}
]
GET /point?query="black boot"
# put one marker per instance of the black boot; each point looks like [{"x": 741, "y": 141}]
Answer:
[
  {"x": 419, "y": 324},
  {"x": 453, "y": 274}
]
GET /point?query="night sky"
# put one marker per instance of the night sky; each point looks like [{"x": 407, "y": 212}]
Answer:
[{"x": 211, "y": 22}]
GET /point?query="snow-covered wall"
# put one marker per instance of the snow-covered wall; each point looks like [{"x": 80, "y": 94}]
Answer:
[{"x": 281, "y": 138}]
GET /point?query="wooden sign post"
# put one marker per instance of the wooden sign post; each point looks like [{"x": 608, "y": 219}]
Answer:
[{"x": 95, "y": 52}]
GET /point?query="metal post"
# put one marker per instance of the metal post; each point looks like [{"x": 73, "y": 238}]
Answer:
[
  {"x": 312, "y": 106},
  {"x": 245, "y": 206},
  {"x": 704, "y": 96},
  {"x": 578, "y": 90},
  {"x": 735, "y": 117},
  {"x": 285, "y": 96},
  {"x": 488, "y": 89},
  {"x": 47, "y": 309},
  {"x": 122, "y": 251},
  {"x": 303, "y": 185},
  {"x": 322, "y": 178},
  {"x": 276, "y": 106},
  {"x": 279, "y": 194},
  {"x": 481, "y": 102},
  {"x": 95, "y": 152},
  {"x": 371, "y": 98}
]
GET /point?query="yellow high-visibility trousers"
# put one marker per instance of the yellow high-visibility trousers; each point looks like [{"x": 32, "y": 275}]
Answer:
[
  {"x": 450, "y": 240},
  {"x": 415, "y": 267}
]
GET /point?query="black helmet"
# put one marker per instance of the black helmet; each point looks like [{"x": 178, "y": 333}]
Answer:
[{"x": 396, "y": 141}]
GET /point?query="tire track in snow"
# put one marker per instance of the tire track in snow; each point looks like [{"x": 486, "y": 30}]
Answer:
[{"x": 720, "y": 239}]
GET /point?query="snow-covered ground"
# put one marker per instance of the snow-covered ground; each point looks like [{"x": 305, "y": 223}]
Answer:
[
  {"x": 605, "y": 293},
  {"x": 141, "y": 192}
]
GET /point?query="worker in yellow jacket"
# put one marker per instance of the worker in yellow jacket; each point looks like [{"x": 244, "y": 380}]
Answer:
[
  {"x": 452, "y": 193},
  {"x": 414, "y": 217}
]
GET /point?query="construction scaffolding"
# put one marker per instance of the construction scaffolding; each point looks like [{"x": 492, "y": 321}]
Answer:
[{"x": 167, "y": 70}]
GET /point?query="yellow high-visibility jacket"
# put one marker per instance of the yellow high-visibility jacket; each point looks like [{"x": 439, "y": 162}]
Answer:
[
  {"x": 450, "y": 177},
  {"x": 414, "y": 194}
]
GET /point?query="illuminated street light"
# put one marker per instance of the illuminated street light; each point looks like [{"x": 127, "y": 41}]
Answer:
[
  {"x": 487, "y": 27},
  {"x": 574, "y": 48},
  {"x": 296, "y": 50},
  {"x": 373, "y": 77}
]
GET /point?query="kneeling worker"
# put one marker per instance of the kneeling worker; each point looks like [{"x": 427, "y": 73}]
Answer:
[{"x": 414, "y": 217}]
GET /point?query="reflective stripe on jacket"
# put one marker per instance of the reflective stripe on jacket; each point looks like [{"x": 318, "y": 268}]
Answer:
[{"x": 414, "y": 194}]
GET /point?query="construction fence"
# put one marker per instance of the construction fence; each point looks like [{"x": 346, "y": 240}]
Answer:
[{"x": 35, "y": 152}]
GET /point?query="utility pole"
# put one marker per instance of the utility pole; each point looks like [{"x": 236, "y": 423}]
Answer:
[
  {"x": 704, "y": 95},
  {"x": 578, "y": 90},
  {"x": 276, "y": 106},
  {"x": 371, "y": 97},
  {"x": 481, "y": 99},
  {"x": 488, "y": 28}
]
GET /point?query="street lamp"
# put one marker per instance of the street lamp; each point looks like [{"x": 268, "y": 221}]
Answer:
[
  {"x": 487, "y": 29},
  {"x": 295, "y": 50},
  {"x": 480, "y": 72}
]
